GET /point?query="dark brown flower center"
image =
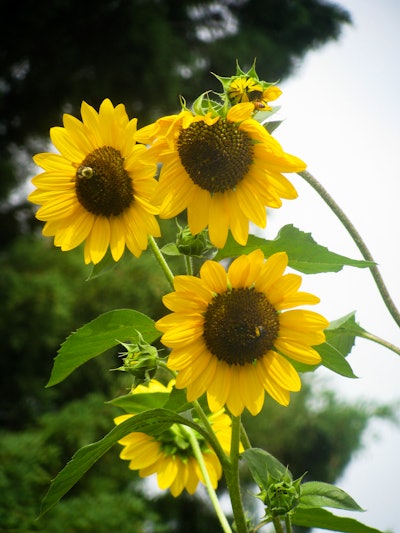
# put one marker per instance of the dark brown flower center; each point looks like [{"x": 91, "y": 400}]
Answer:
[
  {"x": 103, "y": 186},
  {"x": 240, "y": 326},
  {"x": 216, "y": 157}
]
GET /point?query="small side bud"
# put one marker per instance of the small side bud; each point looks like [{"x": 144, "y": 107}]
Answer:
[{"x": 141, "y": 360}]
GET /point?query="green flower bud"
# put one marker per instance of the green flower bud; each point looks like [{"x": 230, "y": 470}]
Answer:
[
  {"x": 194, "y": 245},
  {"x": 281, "y": 496},
  {"x": 140, "y": 359}
]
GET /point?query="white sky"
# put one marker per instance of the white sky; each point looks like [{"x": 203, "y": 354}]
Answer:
[{"x": 342, "y": 116}]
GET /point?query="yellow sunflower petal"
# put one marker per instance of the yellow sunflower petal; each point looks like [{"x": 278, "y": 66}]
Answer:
[
  {"x": 214, "y": 276},
  {"x": 251, "y": 391},
  {"x": 298, "y": 352}
]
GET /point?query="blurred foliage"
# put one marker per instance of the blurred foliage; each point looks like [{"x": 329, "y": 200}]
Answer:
[{"x": 45, "y": 297}]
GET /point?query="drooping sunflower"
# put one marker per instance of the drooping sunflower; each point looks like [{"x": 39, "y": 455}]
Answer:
[
  {"x": 224, "y": 171},
  {"x": 169, "y": 454},
  {"x": 233, "y": 333},
  {"x": 98, "y": 188}
]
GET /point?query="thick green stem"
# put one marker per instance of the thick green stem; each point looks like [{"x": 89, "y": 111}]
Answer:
[
  {"x": 288, "y": 524},
  {"x": 358, "y": 241},
  {"x": 161, "y": 261},
  {"x": 233, "y": 481},
  {"x": 277, "y": 525},
  {"x": 207, "y": 481}
]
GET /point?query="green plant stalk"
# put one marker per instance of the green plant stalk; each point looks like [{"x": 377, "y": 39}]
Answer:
[
  {"x": 232, "y": 478},
  {"x": 278, "y": 525},
  {"x": 314, "y": 183},
  {"x": 212, "y": 438},
  {"x": 379, "y": 340},
  {"x": 244, "y": 438},
  {"x": 207, "y": 481},
  {"x": 161, "y": 261},
  {"x": 288, "y": 523},
  {"x": 189, "y": 265}
]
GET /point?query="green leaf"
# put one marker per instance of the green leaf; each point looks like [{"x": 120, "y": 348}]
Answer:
[
  {"x": 261, "y": 464},
  {"x": 319, "y": 494},
  {"x": 305, "y": 255},
  {"x": 333, "y": 359},
  {"x": 139, "y": 402},
  {"x": 100, "y": 335},
  {"x": 151, "y": 422},
  {"x": 313, "y": 518}
]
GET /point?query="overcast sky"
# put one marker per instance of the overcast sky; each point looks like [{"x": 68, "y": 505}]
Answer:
[{"x": 342, "y": 116}]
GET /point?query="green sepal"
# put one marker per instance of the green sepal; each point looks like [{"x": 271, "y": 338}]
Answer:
[
  {"x": 305, "y": 255},
  {"x": 323, "y": 519},
  {"x": 99, "y": 335},
  {"x": 320, "y": 494},
  {"x": 151, "y": 422}
]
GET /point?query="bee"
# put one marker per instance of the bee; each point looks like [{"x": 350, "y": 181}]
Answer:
[{"x": 85, "y": 172}]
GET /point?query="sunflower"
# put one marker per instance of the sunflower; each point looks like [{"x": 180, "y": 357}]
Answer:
[
  {"x": 248, "y": 89},
  {"x": 224, "y": 171},
  {"x": 98, "y": 188},
  {"x": 169, "y": 455},
  {"x": 233, "y": 333}
]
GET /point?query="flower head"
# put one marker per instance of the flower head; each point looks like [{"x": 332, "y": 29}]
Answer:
[
  {"x": 247, "y": 87},
  {"x": 98, "y": 188},
  {"x": 169, "y": 454},
  {"x": 233, "y": 333},
  {"x": 224, "y": 171}
]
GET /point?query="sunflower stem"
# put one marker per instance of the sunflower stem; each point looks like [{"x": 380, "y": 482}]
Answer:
[
  {"x": 161, "y": 261},
  {"x": 288, "y": 523},
  {"x": 314, "y": 183},
  {"x": 278, "y": 525},
  {"x": 232, "y": 478},
  {"x": 207, "y": 481},
  {"x": 244, "y": 438},
  {"x": 189, "y": 265},
  {"x": 212, "y": 438},
  {"x": 379, "y": 340}
]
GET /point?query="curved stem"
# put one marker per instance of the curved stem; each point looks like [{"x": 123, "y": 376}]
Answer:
[
  {"x": 233, "y": 481},
  {"x": 214, "y": 442},
  {"x": 161, "y": 261},
  {"x": 207, "y": 481},
  {"x": 358, "y": 241},
  {"x": 244, "y": 438},
  {"x": 379, "y": 340}
]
